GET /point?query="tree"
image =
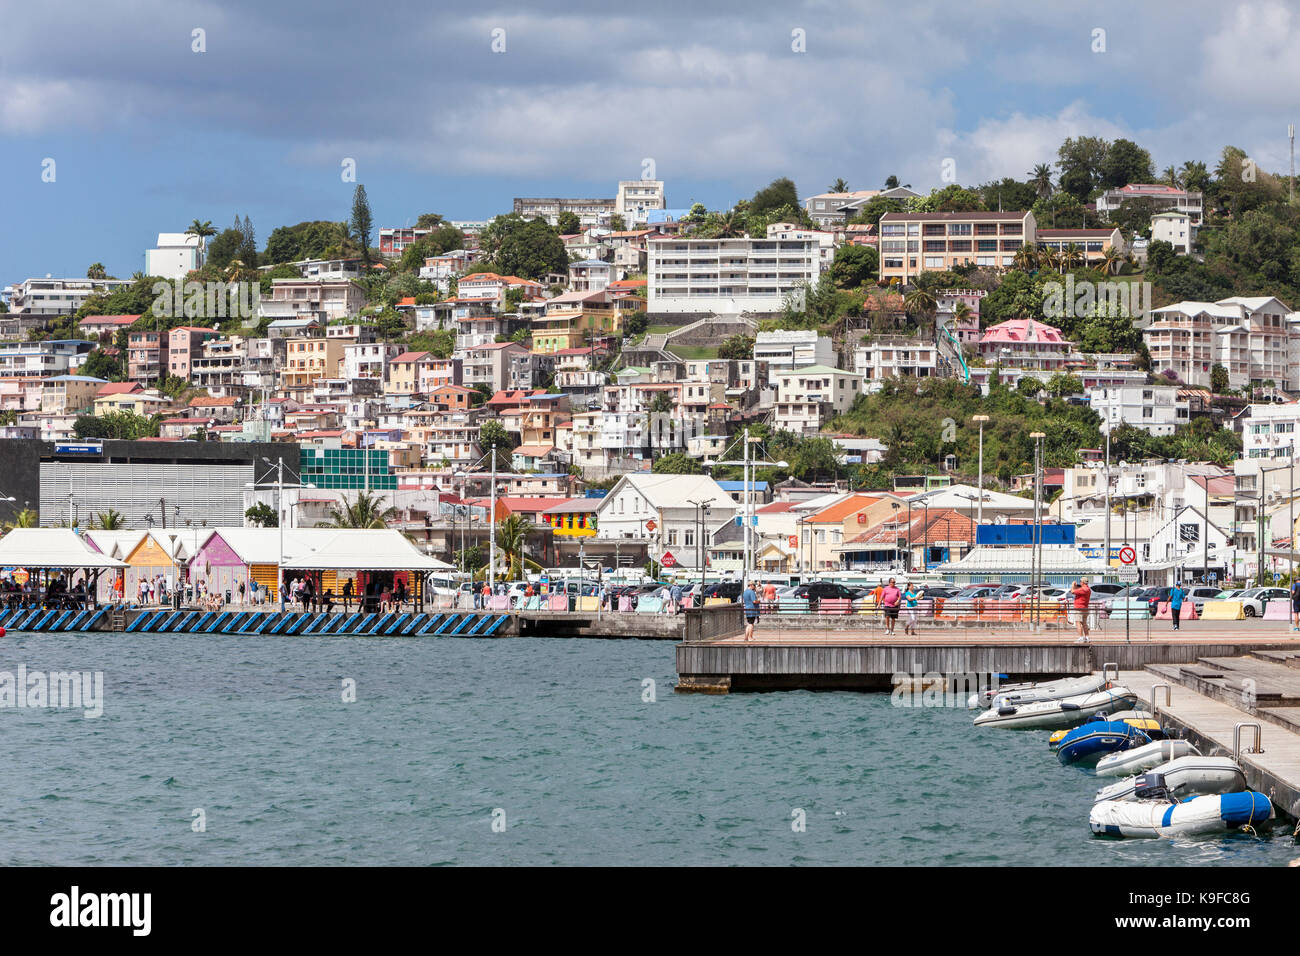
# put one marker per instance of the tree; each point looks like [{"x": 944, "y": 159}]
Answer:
[
  {"x": 634, "y": 323},
  {"x": 225, "y": 248},
  {"x": 523, "y": 247},
  {"x": 494, "y": 435},
  {"x": 1125, "y": 162},
  {"x": 1080, "y": 163},
  {"x": 952, "y": 198},
  {"x": 110, "y": 520},
  {"x": 247, "y": 253},
  {"x": 511, "y": 535},
  {"x": 891, "y": 182},
  {"x": 361, "y": 221},
  {"x": 922, "y": 303},
  {"x": 661, "y": 404},
  {"x": 568, "y": 224},
  {"x": 99, "y": 364},
  {"x": 1134, "y": 215},
  {"x": 26, "y": 518},
  {"x": 202, "y": 230},
  {"x": 737, "y": 348},
  {"x": 1029, "y": 386},
  {"x": 1061, "y": 384},
  {"x": 676, "y": 463},
  {"x": 96, "y": 271},
  {"x": 1219, "y": 382},
  {"x": 839, "y": 186},
  {"x": 854, "y": 265},
  {"x": 262, "y": 515},
  {"x": 366, "y": 511},
  {"x": 777, "y": 193},
  {"x": 1040, "y": 180}
]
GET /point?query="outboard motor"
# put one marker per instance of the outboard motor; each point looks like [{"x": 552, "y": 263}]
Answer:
[{"x": 1151, "y": 786}]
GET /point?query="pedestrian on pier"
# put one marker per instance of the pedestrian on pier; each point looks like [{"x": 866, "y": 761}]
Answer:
[
  {"x": 1176, "y": 604},
  {"x": 1078, "y": 615},
  {"x": 890, "y": 597},
  {"x": 909, "y": 605},
  {"x": 1295, "y": 605},
  {"x": 750, "y": 601},
  {"x": 347, "y": 594}
]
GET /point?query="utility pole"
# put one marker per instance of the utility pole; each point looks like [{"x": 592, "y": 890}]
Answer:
[
  {"x": 1037, "y": 558},
  {"x": 982, "y": 419},
  {"x": 492, "y": 523},
  {"x": 279, "y": 515},
  {"x": 1106, "y": 546}
]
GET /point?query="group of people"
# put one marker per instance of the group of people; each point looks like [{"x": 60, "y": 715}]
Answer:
[{"x": 891, "y": 599}]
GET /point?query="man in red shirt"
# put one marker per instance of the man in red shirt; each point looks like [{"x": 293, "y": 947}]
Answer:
[{"x": 1079, "y": 613}]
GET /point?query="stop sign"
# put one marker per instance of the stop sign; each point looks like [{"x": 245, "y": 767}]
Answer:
[{"x": 668, "y": 561}]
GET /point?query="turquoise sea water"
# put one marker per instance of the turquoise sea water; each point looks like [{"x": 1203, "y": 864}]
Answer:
[{"x": 554, "y": 734}]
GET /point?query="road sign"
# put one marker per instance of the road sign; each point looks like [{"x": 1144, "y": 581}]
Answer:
[
  {"x": 668, "y": 561},
  {"x": 650, "y": 525},
  {"x": 794, "y": 540},
  {"x": 1128, "y": 575},
  {"x": 1127, "y": 555}
]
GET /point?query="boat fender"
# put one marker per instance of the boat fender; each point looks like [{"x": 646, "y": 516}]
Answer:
[
  {"x": 1006, "y": 711},
  {"x": 1066, "y": 706}
]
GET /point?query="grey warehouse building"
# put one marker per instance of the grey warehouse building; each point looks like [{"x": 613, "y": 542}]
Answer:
[{"x": 151, "y": 483}]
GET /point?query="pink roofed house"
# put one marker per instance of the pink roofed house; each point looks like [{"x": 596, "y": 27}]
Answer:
[{"x": 1025, "y": 343}]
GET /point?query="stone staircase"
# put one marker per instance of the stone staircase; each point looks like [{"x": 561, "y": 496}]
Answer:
[{"x": 1262, "y": 683}]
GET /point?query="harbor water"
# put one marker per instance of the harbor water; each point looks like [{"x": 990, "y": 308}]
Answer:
[{"x": 214, "y": 750}]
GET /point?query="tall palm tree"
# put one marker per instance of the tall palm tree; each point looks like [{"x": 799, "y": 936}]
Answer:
[
  {"x": 1048, "y": 258},
  {"x": 1040, "y": 179},
  {"x": 1111, "y": 259},
  {"x": 511, "y": 534},
  {"x": 839, "y": 186},
  {"x": 202, "y": 230},
  {"x": 731, "y": 224},
  {"x": 364, "y": 512},
  {"x": 922, "y": 303},
  {"x": 110, "y": 520},
  {"x": 1071, "y": 256},
  {"x": 97, "y": 271},
  {"x": 1170, "y": 176}
]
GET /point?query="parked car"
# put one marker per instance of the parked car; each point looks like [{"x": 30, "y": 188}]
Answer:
[
  {"x": 731, "y": 590},
  {"x": 1132, "y": 593},
  {"x": 1254, "y": 599},
  {"x": 1105, "y": 589},
  {"x": 1201, "y": 593},
  {"x": 818, "y": 591}
]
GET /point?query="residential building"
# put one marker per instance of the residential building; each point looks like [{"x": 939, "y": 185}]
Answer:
[
  {"x": 1093, "y": 243},
  {"x": 807, "y": 398},
  {"x": 1253, "y": 338},
  {"x": 1156, "y": 409},
  {"x": 489, "y": 364},
  {"x": 144, "y": 355},
  {"x": 575, "y": 319},
  {"x": 307, "y": 359},
  {"x": 69, "y": 394},
  {"x": 94, "y": 326},
  {"x": 184, "y": 345},
  {"x": 1025, "y": 344},
  {"x": 590, "y": 212},
  {"x": 43, "y": 358},
  {"x": 320, "y": 298},
  {"x": 1163, "y": 198},
  {"x": 787, "y": 349},
  {"x": 1175, "y": 228},
  {"x": 894, "y": 356},
  {"x": 1269, "y": 430},
  {"x": 394, "y": 240},
  {"x": 636, "y": 197},
  {"x": 368, "y": 360},
  {"x": 912, "y": 243},
  {"x": 660, "y": 510},
  {"x": 590, "y": 275},
  {"x": 176, "y": 256},
  {"x": 829, "y": 210},
  {"x": 730, "y": 275},
  {"x": 59, "y": 296}
]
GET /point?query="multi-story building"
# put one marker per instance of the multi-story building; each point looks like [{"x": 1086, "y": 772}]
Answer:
[
  {"x": 667, "y": 504},
  {"x": 1025, "y": 344},
  {"x": 368, "y": 360},
  {"x": 1164, "y": 199},
  {"x": 394, "y": 240},
  {"x": 59, "y": 296},
  {"x": 590, "y": 212},
  {"x": 730, "y": 275},
  {"x": 1251, "y": 337},
  {"x": 913, "y": 242},
  {"x": 177, "y": 255},
  {"x": 895, "y": 356},
  {"x": 786, "y": 349},
  {"x": 576, "y": 319},
  {"x": 69, "y": 394},
  {"x": 807, "y": 398},
  {"x": 590, "y": 275},
  {"x": 334, "y": 269},
  {"x": 1269, "y": 430},
  {"x": 94, "y": 326},
  {"x": 1093, "y": 243},
  {"x": 489, "y": 364},
  {"x": 828, "y": 210},
  {"x": 184, "y": 345},
  {"x": 321, "y": 298},
  {"x": 144, "y": 355},
  {"x": 636, "y": 197},
  {"x": 40, "y": 359},
  {"x": 412, "y": 374},
  {"x": 307, "y": 359},
  {"x": 1175, "y": 228},
  {"x": 1156, "y": 409}
]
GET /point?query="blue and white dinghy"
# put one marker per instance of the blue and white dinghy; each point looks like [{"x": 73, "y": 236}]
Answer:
[
  {"x": 1144, "y": 758},
  {"x": 1091, "y": 741},
  {"x": 1166, "y": 817},
  {"x": 1182, "y": 776}
]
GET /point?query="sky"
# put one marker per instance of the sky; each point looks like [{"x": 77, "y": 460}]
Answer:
[{"x": 115, "y": 127}]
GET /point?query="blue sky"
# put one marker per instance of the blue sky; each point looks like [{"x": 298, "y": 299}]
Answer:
[{"x": 147, "y": 134}]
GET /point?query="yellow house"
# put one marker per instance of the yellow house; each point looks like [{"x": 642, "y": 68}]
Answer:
[
  {"x": 146, "y": 561},
  {"x": 307, "y": 359},
  {"x": 573, "y": 319},
  {"x": 148, "y": 402},
  {"x": 575, "y": 518}
]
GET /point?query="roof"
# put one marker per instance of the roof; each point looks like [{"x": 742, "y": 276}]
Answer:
[
  {"x": 1054, "y": 560},
  {"x": 381, "y": 549},
  {"x": 208, "y": 401},
  {"x": 51, "y": 548},
  {"x": 412, "y": 356},
  {"x": 531, "y": 504},
  {"x": 740, "y": 485},
  {"x": 674, "y": 491},
  {"x": 1022, "y": 330},
  {"x": 120, "y": 388},
  {"x": 842, "y": 509},
  {"x": 573, "y": 506},
  {"x": 533, "y": 451},
  {"x": 953, "y": 216},
  {"x": 109, "y": 319},
  {"x": 1064, "y": 233}
]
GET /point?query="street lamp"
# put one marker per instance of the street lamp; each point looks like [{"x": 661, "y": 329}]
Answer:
[
  {"x": 1036, "y": 558},
  {"x": 981, "y": 419},
  {"x": 747, "y": 463},
  {"x": 701, "y": 510}
]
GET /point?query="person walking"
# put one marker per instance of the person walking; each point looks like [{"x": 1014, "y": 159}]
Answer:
[
  {"x": 347, "y": 594},
  {"x": 910, "y": 597},
  {"x": 750, "y": 600},
  {"x": 890, "y": 596},
  {"x": 1082, "y": 595},
  {"x": 1295, "y": 605},
  {"x": 1176, "y": 604},
  {"x": 769, "y": 596}
]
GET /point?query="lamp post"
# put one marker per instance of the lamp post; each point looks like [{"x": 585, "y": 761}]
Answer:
[
  {"x": 701, "y": 509},
  {"x": 748, "y": 463},
  {"x": 981, "y": 419},
  {"x": 1036, "y": 558}
]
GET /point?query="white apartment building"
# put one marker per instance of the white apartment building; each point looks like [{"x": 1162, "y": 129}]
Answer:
[
  {"x": 1156, "y": 409},
  {"x": 59, "y": 296},
  {"x": 912, "y": 242},
  {"x": 807, "y": 398},
  {"x": 42, "y": 359},
  {"x": 329, "y": 268},
  {"x": 790, "y": 230},
  {"x": 440, "y": 270},
  {"x": 729, "y": 275},
  {"x": 590, "y": 212},
  {"x": 894, "y": 356},
  {"x": 176, "y": 256},
  {"x": 1253, "y": 338},
  {"x": 368, "y": 360},
  {"x": 664, "y": 502},
  {"x": 1165, "y": 198},
  {"x": 785, "y": 350},
  {"x": 635, "y": 197},
  {"x": 1269, "y": 430},
  {"x": 1175, "y": 228}
]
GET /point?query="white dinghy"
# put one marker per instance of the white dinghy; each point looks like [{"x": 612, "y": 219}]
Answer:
[
  {"x": 1014, "y": 694},
  {"x": 1214, "y": 813},
  {"x": 1144, "y": 758},
  {"x": 1183, "y": 777},
  {"x": 1057, "y": 714}
]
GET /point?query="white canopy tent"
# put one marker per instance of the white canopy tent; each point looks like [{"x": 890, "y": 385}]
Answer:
[
  {"x": 51, "y": 548},
  {"x": 366, "y": 550}
]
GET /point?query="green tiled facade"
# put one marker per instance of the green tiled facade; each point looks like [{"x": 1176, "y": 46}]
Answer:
[{"x": 345, "y": 468}]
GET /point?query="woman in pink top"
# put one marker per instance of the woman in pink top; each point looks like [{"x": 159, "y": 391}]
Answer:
[{"x": 890, "y": 596}]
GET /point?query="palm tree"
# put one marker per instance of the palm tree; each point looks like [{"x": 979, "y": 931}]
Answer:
[
  {"x": 1026, "y": 258},
  {"x": 202, "y": 230},
  {"x": 1071, "y": 256},
  {"x": 1040, "y": 178},
  {"x": 511, "y": 534},
  {"x": 1111, "y": 259},
  {"x": 1170, "y": 176},
  {"x": 27, "y": 518},
  {"x": 839, "y": 186},
  {"x": 1048, "y": 258},
  {"x": 365, "y": 512},
  {"x": 730, "y": 225},
  {"x": 922, "y": 303},
  {"x": 97, "y": 271},
  {"x": 110, "y": 520}
]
